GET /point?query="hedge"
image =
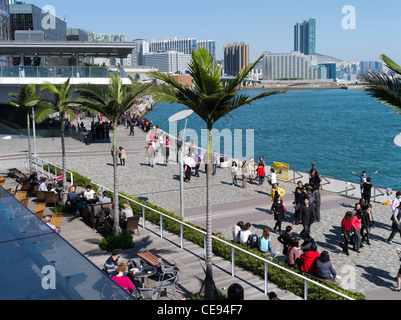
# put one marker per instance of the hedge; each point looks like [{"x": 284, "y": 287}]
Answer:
[{"x": 277, "y": 276}]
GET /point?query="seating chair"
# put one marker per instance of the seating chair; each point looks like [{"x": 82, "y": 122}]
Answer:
[
  {"x": 168, "y": 281},
  {"x": 40, "y": 196},
  {"x": 39, "y": 213},
  {"x": 148, "y": 293},
  {"x": 107, "y": 205},
  {"x": 51, "y": 197},
  {"x": 21, "y": 195},
  {"x": 9, "y": 190},
  {"x": 56, "y": 220},
  {"x": 2, "y": 183},
  {"x": 25, "y": 202},
  {"x": 132, "y": 223},
  {"x": 15, "y": 191},
  {"x": 168, "y": 266},
  {"x": 40, "y": 206}
]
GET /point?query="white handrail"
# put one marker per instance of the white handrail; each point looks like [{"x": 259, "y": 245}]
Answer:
[{"x": 233, "y": 246}]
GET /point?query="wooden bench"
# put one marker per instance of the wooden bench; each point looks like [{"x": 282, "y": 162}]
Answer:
[
  {"x": 153, "y": 259},
  {"x": 56, "y": 220},
  {"x": 200, "y": 226}
]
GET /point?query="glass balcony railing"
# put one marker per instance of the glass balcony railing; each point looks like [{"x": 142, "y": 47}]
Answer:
[{"x": 60, "y": 72}]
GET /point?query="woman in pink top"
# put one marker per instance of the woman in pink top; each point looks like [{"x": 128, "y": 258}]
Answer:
[
  {"x": 122, "y": 280},
  {"x": 356, "y": 227}
]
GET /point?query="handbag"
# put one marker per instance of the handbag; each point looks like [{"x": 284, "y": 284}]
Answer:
[{"x": 284, "y": 209}]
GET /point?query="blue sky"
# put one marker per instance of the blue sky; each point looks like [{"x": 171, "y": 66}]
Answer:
[{"x": 267, "y": 25}]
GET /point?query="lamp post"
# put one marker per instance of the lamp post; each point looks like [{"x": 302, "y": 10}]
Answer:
[{"x": 174, "y": 118}]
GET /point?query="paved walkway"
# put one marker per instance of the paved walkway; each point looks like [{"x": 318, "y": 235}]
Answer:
[{"x": 372, "y": 271}]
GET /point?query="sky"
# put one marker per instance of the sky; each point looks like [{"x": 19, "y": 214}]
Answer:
[{"x": 267, "y": 25}]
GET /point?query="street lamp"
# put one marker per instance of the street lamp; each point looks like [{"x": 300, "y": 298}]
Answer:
[{"x": 174, "y": 118}]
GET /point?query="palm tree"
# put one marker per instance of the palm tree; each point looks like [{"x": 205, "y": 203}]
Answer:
[
  {"x": 111, "y": 102},
  {"x": 211, "y": 100},
  {"x": 26, "y": 99},
  {"x": 62, "y": 104},
  {"x": 385, "y": 87}
]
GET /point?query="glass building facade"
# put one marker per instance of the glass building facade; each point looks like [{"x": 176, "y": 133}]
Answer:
[
  {"x": 36, "y": 263},
  {"x": 305, "y": 37}
]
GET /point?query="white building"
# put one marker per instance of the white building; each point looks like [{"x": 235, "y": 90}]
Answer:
[
  {"x": 294, "y": 65},
  {"x": 168, "y": 61}
]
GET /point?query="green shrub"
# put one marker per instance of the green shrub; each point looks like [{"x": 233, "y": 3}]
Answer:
[
  {"x": 122, "y": 241},
  {"x": 277, "y": 276}
]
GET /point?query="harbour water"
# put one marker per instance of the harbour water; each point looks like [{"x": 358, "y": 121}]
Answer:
[{"x": 339, "y": 130}]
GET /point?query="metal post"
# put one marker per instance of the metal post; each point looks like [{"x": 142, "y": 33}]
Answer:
[
  {"x": 266, "y": 277},
  {"x": 161, "y": 226},
  {"x": 182, "y": 236},
  {"x": 305, "y": 289},
  {"x": 232, "y": 262},
  {"x": 143, "y": 217}
]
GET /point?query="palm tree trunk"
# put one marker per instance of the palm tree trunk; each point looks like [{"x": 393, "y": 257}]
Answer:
[
  {"x": 116, "y": 215},
  {"x": 29, "y": 142},
  {"x": 209, "y": 287},
  {"x": 63, "y": 160}
]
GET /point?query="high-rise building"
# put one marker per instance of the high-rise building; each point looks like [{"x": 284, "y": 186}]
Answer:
[
  {"x": 141, "y": 48},
  {"x": 294, "y": 65},
  {"x": 168, "y": 61},
  {"x": 236, "y": 58},
  {"x": 30, "y": 17},
  {"x": 209, "y": 45},
  {"x": 180, "y": 45},
  {"x": 305, "y": 37}
]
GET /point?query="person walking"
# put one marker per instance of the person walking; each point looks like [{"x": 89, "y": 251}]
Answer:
[
  {"x": 367, "y": 223},
  {"x": 396, "y": 218},
  {"x": 167, "y": 151},
  {"x": 122, "y": 155},
  {"x": 278, "y": 212},
  {"x": 346, "y": 226},
  {"x": 261, "y": 174},
  {"x": 150, "y": 154},
  {"x": 244, "y": 171},
  {"x": 251, "y": 170},
  {"x": 356, "y": 227},
  {"x": 305, "y": 215},
  {"x": 234, "y": 169},
  {"x": 214, "y": 163},
  {"x": 366, "y": 190},
  {"x": 285, "y": 239}
]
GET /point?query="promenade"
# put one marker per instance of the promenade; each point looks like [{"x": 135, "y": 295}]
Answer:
[{"x": 371, "y": 272}]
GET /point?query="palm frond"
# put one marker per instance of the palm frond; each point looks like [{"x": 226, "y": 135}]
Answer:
[{"x": 384, "y": 88}]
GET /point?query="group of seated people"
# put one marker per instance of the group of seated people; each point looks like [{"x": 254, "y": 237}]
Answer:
[
  {"x": 86, "y": 197},
  {"x": 304, "y": 257},
  {"x": 55, "y": 184},
  {"x": 242, "y": 234}
]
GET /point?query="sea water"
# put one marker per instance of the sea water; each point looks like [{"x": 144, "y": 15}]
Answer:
[{"x": 340, "y": 130}]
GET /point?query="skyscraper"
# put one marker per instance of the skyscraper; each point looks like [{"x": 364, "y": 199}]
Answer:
[
  {"x": 305, "y": 37},
  {"x": 236, "y": 58}
]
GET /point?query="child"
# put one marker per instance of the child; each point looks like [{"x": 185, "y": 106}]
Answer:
[{"x": 261, "y": 174}]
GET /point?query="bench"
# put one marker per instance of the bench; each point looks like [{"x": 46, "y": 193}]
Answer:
[
  {"x": 200, "y": 226},
  {"x": 153, "y": 259}
]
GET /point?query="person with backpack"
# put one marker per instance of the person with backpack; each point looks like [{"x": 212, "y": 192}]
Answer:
[{"x": 265, "y": 243}]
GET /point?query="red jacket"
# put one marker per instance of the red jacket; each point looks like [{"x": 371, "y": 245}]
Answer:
[
  {"x": 309, "y": 261},
  {"x": 261, "y": 171}
]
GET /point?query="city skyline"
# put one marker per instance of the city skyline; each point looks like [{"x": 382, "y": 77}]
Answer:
[{"x": 265, "y": 25}]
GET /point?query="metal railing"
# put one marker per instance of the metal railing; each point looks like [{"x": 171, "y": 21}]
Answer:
[
  {"x": 234, "y": 248},
  {"x": 60, "y": 71}
]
